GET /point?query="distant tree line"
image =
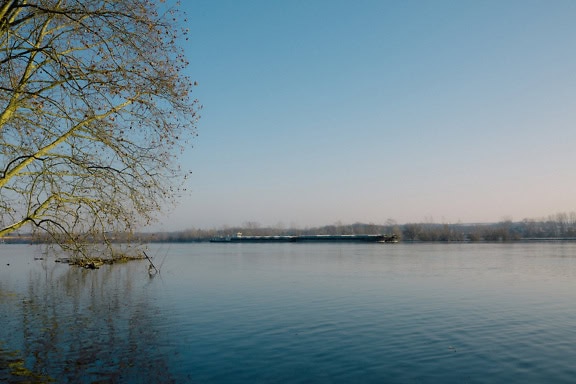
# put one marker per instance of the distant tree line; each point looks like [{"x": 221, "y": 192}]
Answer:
[
  {"x": 255, "y": 229},
  {"x": 558, "y": 226}
]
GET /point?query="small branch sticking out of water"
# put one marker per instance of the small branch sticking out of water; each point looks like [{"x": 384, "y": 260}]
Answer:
[{"x": 152, "y": 268}]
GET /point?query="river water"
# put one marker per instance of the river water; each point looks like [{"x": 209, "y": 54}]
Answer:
[{"x": 294, "y": 313}]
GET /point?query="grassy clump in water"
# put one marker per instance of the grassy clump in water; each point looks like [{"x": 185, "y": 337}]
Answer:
[
  {"x": 88, "y": 262},
  {"x": 13, "y": 369}
]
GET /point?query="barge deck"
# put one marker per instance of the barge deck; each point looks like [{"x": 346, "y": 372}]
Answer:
[{"x": 239, "y": 238}]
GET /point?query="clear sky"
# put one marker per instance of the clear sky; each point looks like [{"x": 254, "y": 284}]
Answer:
[{"x": 361, "y": 111}]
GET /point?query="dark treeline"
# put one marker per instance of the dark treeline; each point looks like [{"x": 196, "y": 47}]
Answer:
[
  {"x": 558, "y": 226},
  {"x": 254, "y": 229}
]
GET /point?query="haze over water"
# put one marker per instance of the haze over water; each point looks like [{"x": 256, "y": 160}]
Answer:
[{"x": 296, "y": 313}]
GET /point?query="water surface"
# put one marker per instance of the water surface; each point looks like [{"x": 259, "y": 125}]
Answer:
[{"x": 298, "y": 313}]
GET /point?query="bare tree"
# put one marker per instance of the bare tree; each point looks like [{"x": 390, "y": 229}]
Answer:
[{"x": 93, "y": 112}]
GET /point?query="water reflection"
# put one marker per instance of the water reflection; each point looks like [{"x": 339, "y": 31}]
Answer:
[
  {"x": 13, "y": 369},
  {"x": 82, "y": 325},
  {"x": 428, "y": 313}
]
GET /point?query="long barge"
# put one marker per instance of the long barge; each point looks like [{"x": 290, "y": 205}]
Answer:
[{"x": 239, "y": 238}]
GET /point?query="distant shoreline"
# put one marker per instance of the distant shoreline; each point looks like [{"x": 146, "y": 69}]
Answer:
[
  {"x": 189, "y": 241},
  {"x": 561, "y": 227}
]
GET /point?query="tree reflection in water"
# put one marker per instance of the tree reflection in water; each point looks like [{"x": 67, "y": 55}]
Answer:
[{"x": 78, "y": 325}]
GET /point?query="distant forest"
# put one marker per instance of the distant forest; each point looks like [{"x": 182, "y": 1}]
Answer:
[{"x": 559, "y": 226}]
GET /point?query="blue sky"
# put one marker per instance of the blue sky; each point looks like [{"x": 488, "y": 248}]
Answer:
[{"x": 316, "y": 112}]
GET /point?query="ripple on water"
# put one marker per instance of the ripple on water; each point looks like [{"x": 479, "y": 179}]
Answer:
[{"x": 347, "y": 313}]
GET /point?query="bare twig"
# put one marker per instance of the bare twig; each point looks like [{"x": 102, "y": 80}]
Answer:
[{"x": 152, "y": 266}]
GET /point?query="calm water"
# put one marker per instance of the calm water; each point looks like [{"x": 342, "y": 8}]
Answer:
[{"x": 295, "y": 313}]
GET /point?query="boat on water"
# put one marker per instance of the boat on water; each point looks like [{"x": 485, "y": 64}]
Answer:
[{"x": 239, "y": 238}]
